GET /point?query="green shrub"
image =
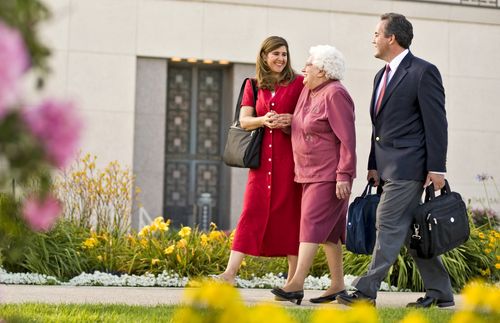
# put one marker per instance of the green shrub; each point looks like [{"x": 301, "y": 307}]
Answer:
[{"x": 56, "y": 253}]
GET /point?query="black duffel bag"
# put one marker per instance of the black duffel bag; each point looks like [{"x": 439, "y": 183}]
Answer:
[
  {"x": 361, "y": 232},
  {"x": 439, "y": 224}
]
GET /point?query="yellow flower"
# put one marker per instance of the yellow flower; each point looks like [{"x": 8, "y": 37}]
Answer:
[
  {"x": 487, "y": 250},
  {"x": 215, "y": 295},
  {"x": 144, "y": 231},
  {"x": 204, "y": 239},
  {"x": 492, "y": 299},
  {"x": 363, "y": 312},
  {"x": 154, "y": 261},
  {"x": 169, "y": 250},
  {"x": 464, "y": 317},
  {"x": 184, "y": 232},
  {"x": 328, "y": 314},
  {"x": 243, "y": 263},
  {"x": 153, "y": 227},
  {"x": 163, "y": 227},
  {"x": 215, "y": 235},
  {"x": 144, "y": 243},
  {"x": 158, "y": 219},
  {"x": 473, "y": 294},
  {"x": 181, "y": 244},
  {"x": 99, "y": 258},
  {"x": 414, "y": 317},
  {"x": 90, "y": 243},
  {"x": 179, "y": 259},
  {"x": 497, "y": 265},
  {"x": 263, "y": 313},
  {"x": 481, "y": 235}
]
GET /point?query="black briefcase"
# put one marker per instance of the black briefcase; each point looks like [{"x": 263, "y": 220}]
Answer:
[
  {"x": 439, "y": 224},
  {"x": 361, "y": 232}
]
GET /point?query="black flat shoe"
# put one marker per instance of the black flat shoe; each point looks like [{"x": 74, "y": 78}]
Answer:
[
  {"x": 353, "y": 298},
  {"x": 427, "y": 301},
  {"x": 327, "y": 298},
  {"x": 294, "y": 297}
]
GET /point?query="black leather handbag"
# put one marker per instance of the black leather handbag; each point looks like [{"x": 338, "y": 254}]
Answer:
[
  {"x": 243, "y": 147},
  {"x": 361, "y": 232},
  {"x": 440, "y": 223}
]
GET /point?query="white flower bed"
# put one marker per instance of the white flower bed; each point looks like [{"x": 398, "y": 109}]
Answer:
[{"x": 164, "y": 279}]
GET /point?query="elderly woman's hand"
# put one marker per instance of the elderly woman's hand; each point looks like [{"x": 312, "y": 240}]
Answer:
[
  {"x": 284, "y": 120},
  {"x": 343, "y": 190}
]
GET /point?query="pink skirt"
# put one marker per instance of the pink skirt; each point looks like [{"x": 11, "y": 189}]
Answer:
[{"x": 323, "y": 215}]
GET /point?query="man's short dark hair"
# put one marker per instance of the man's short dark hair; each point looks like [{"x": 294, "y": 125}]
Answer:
[{"x": 398, "y": 26}]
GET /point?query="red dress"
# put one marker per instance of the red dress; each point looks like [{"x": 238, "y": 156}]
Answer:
[{"x": 270, "y": 220}]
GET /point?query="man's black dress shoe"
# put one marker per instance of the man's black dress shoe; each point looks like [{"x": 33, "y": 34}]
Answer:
[
  {"x": 327, "y": 298},
  {"x": 355, "y": 297},
  {"x": 427, "y": 301},
  {"x": 294, "y": 297}
]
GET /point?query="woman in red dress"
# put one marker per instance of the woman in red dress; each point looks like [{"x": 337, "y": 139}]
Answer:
[{"x": 270, "y": 219}]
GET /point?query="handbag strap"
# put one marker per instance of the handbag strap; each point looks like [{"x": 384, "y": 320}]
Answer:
[
  {"x": 430, "y": 193},
  {"x": 236, "y": 119}
]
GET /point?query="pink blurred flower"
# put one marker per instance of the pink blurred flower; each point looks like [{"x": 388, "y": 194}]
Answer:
[
  {"x": 41, "y": 214},
  {"x": 14, "y": 62},
  {"x": 58, "y": 128}
]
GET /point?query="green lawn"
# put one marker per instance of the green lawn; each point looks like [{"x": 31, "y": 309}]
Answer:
[{"x": 126, "y": 313}]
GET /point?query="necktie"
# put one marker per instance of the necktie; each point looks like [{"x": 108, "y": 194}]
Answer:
[{"x": 382, "y": 89}]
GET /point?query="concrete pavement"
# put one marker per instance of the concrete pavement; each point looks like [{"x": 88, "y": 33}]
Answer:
[{"x": 151, "y": 296}]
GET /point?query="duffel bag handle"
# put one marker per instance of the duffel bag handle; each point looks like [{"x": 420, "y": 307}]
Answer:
[
  {"x": 369, "y": 186},
  {"x": 430, "y": 193}
]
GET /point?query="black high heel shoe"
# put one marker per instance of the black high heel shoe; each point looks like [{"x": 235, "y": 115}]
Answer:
[
  {"x": 294, "y": 297},
  {"x": 327, "y": 298}
]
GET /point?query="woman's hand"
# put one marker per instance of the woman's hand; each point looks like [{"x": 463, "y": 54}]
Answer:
[
  {"x": 343, "y": 190},
  {"x": 270, "y": 119}
]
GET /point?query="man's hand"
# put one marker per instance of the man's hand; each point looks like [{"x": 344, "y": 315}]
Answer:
[
  {"x": 372, "y": 173},
  {"x": 436, "y": 179},
  {"x": 343, "y": 189}
]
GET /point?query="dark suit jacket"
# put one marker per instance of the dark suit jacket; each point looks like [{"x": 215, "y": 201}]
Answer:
[{"x": 410, "y": 131}]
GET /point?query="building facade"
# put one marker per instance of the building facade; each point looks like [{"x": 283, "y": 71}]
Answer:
[{"x": 156, "y": 82}]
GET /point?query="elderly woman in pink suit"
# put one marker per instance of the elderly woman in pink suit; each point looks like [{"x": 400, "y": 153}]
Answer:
[{"x": 324, "y": 151}]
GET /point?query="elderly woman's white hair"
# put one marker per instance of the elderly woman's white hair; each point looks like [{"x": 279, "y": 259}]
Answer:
[{"x": 328, "y": 59}]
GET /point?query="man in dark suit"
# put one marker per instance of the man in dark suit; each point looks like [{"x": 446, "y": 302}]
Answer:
[{"x": 408, "y": 152}]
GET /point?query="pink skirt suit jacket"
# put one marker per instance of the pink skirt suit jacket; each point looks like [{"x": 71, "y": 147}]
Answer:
[{"x": 324, "y": 151}]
